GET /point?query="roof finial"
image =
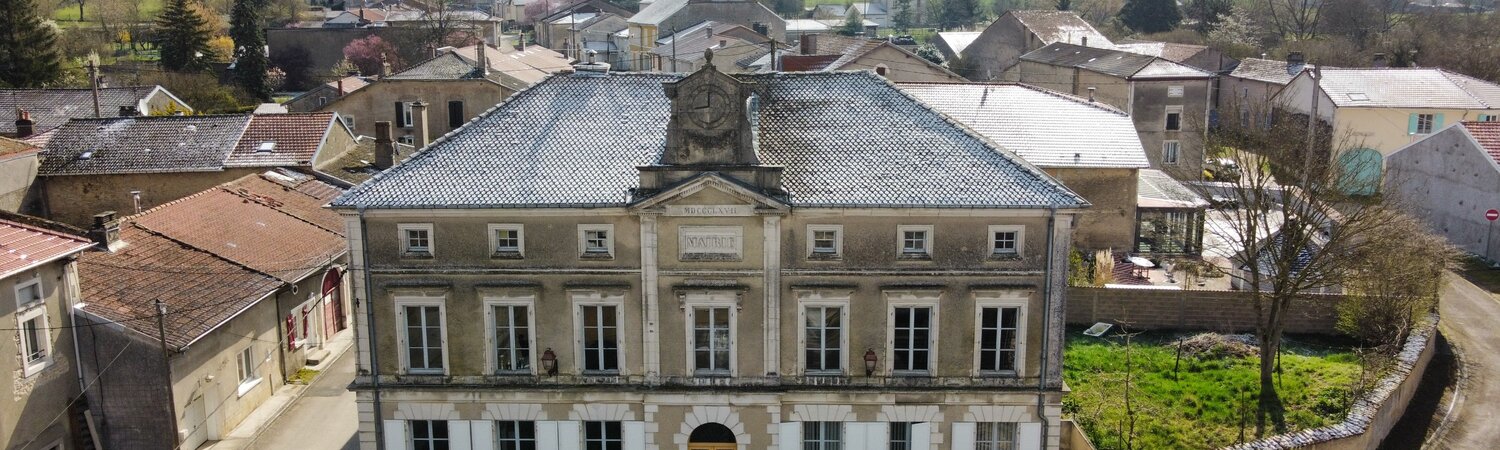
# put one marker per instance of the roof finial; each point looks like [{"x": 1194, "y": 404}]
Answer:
[{"x": 708, "y": 56}]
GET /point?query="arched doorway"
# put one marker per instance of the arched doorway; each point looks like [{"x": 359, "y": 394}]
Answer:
[
  {"x": 334, "y": 301},
  {"x": 1361, "y": 169},
  {"x": 711, "y": 436}
]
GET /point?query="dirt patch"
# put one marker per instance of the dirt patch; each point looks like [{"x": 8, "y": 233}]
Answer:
[{"x": 1219, "y": 346}]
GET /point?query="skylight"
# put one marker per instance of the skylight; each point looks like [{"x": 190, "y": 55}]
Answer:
[
  {"x": 1359, "y": 97},
  {"x": 266, "y": 147}
]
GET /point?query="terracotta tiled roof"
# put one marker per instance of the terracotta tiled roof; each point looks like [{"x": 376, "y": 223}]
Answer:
[
  {"x": 24, "y": 246},
  {"x": 1488, "y": 136},
  {"x": 302, "y": 199},
  {"x": 293, "y": 140},
  {"x": 10, "y": 147}
]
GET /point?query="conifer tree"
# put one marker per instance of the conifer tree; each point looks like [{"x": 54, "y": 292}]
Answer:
[
  {"x": 902, "y": 20},
  {"x": 251, "y": 63},
  {"x": 182, "y": 35},
  {"x": 1150, "y": 16},
  {"x": 28, "y": 46},
  {"x": 959, "y": 13}
]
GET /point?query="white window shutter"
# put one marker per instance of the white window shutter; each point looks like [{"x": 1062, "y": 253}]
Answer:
[
  {"x": 483, "y": 435},
  {"x": 877, "y": 435},
  {"x": 395, "y": 434},
  {"x": 963, "y": 436},
  {"x": 635, "y": 435},
  {"x": 1029, "y": 436},
  {"x": 546, "y": 434},
  {"x": 790, "y": 435},
  {"x": 569, "y": 435},
  {"x": 458, "y": 434},
  {"x": 856, "y": 435},
  {"x": 921, "y": 436}
]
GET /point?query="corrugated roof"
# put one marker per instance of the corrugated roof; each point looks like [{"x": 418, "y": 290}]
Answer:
[
  {"x": 577, "y": 140},
  {"x": 50, "y": 108},
  {"x": 1265, "y": 70},
  {"x": 1487, "y": 134},
  {"x": 1072, "y": 132},
  {"x": 1111, "y": 62},
  {"x": 23, "y": 247},
  {"x": 1061, "y": 26},
  {"x": 152, "y": 144},
  {"x": 274, "y": 140},
  {"x": 1407, "y": 88}
]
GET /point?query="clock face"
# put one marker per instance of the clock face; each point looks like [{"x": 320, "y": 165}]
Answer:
[{"x": 710, "y": 106}]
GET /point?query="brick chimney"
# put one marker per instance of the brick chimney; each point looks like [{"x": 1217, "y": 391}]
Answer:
[
  {"x": 106, "y": 230},
  {"x": 419, "y": 116},
  {"x": 24, "y": 126},
  {"x": 809, "y": 44},
  {"x": 1379, "y": 61},
  {"x": 385, "y": 147}
]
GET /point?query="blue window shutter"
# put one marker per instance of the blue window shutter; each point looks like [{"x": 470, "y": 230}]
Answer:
[
  {"x": 1411, "y": 123},
  {"x": 1437, "y": 122}
]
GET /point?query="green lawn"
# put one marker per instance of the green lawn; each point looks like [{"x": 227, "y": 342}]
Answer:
[
  {"x": 1204, "y": 404},
  {"x": 66, "y": 14}
]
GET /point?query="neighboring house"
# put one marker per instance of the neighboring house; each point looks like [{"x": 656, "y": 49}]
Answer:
[
  {"x": 794, "y": 260},
  {"x": 38, "y": 292},
  {"x": 735, "y": 48},
  {"x": 1092, "y": 148},
  {"x": 1169, "y": 216},
  {"x": 662, "y": 18},
  {"x": 135, "y": 163},
  {"x": 1250, "y": 89},
  {"x": 1202, "y": 57},
  {"x": 368, "y": 158},
  {"x": 1450, "y": 179},
  {"x": 568, "y": 26},
  {"x": 1376, "y": 111},
  {"x": 1170, "y": 102},
  {"x": 321, "y": 95},
  {"x": 832, "y": 52},
  {"x": 1016, "y": 33},
  {"x": 875, "y": 13},
  {"x": 451, "y": 88},
  {"x": 18, "y": 167},
  {"x": 246, "y": 281},
  {"x": 952, "y": 43},
  {"x": 50, "y": 108}
]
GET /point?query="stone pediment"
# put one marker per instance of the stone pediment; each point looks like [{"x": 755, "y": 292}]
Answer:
[{"x": 710, "y": 195}]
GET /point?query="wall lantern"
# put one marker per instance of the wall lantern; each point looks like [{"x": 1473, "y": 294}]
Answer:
[
  {"x": 549, "y": 362},
  {"x": 870, "y": 360}
]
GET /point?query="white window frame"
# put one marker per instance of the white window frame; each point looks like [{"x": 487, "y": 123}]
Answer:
[
  {"x": 1002, "y": 299},
  {"x": 979, "y": 429},
  {"x": 1431, "y": 123},
  {"x": 348, "y": 121},
  {"x": 926, "y": 241},
  {"x": 513, "y": 297},
  {"x": 500, "y": 441},
  {"x": 41, "y": 292},
  {"x": 609, "y": 240},
  {"x": 1175, "y": 153},
  {"x": 44, "y": 339},
  {"x": 1175, "y": 91},
  {"x": 823, "y": 299},
  {"x": 693, "y": 300},
  {"x": 912, "y": 299},
  {"x": 838, "y": 241},
  {"x": 1020, "y": 231},
  {"x": 406, "y": 118},
  {"x": 248, "y": 369},
  {"x": 823, "y": 440},
  {"x": 495, "y": 240},
  {"x": 403, "y": 301},
  {"x": 587, "y": 298},
  {"x": 411, "y": 432},
  {"x": 1166, "y": 118},
  {"x": 406, "y": 249},
  {"x": 604, "y": 440}
]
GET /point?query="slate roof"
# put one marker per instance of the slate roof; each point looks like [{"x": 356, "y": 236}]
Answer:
[
  {"x": 50, "y": 108},
  {"x": 1156, "y": 189},
  {"x": 957, "y": 41},
  {"x": 207, "y": 269},
  {"x": 1073, "y": 132},
  {"x": 1487, "y": 134},
  {"x": 24, "y": 246},
  {"x": 576, "y": 141},
  {"x": 447, "y": 66},
  {"x": 517, "y": 69},
  {"x": 657, "y": 11},
  {"x": 1061, "y": 26},
  {"x": 834, "y": 51},
  {"x": 1112, "y": 62},
  {"x": 1407, "y": 88},
  {"x": 296, "y": 138},
  {"x": 142, "y": 145},
  {"x": 692, "y": 42},
  {"x": 1265, "y": 70}
]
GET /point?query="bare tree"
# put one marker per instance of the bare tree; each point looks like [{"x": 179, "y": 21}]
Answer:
[{"x": 1295, "y": 19}]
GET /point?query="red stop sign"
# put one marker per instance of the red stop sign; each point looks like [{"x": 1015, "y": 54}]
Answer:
[{"x": 1492, "y": 215}]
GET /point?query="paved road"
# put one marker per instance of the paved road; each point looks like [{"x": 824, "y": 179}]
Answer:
[
  {"x": 1470, "y": 316},
  {"x": 323, "y": 419}
]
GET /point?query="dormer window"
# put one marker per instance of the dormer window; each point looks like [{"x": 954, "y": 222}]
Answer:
[
  {"x": 596, "y": 241},
  {"x": 914, "y": 241},
  {"x": 416, "y": 239}
]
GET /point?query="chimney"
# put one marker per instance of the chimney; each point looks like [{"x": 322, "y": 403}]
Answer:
[
  {"x": 385, "y": 66},
  {"x": 340, "y": 93},
  {"x": 385, "y": 148},
  {"x": 106, "y": 230},
  {"x": 1091, "y": 93},
  {"x": 482, "y": 58},
  {"x": 708, "y": 32},
  {"x": 1295, "y": 63},
  {"x": 1084, "y": 41},
  {"x": 24, "y": 126},
  {"x": 591, "y": 68},
  {"x": 1380, "y": 61},
  {"x": 808, "y": 44},
  {"x": 419, "y": 115},
  {"x": 128, "y": 111}
]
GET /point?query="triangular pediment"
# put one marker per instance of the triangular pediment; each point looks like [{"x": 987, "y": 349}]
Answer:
[{"x": 711, "y": 190}]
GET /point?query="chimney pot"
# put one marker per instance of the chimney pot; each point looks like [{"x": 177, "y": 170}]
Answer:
[
  {"x": 1091, "y": 93},
  {"x": 25, "y": 127},
  {"x": 385, "y": 147},
  {"x": 128, "y": 111},
  {"x": 106, "y": 230},
  {"x": 1084, "y": 41}
]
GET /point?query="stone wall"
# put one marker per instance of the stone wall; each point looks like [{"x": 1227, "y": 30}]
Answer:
[{"x": 1219, "y": 311}]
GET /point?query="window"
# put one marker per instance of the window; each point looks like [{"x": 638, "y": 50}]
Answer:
[
  {"x": 1489, "y": 118},
  {"x": 900, "y": 437},
  {"x": 506, "y": 240},
  {"x": 36, "y": 342},
  {"x": 322, "y": 101},
  {"x": 995, "y": 436},
  {"x": 1174, "y": 118},
  {"x": 1425, "y": 123},
  {"x": 824, "y": 340},
  {"x": 1174, "y": 91},
  {"x": 603, "y": 436},
  {"x": 998, "y": 327},
  {"x": 429, "y": 434},
  {"x": 247, "y": 365},
  {"x": 825, "y": 241},
  {"x": 596, "y": 241},
  {"x": 822, "y": 435},
  {"x": 424, "y": 338},
  {"x": 914, "y": 241},
  {"x": 403, "y": 114},
  {"x": 1006, "y": 240},
  {"x": 455, "y": 113},
  {"x": 416, "y": 239},
  {"x": 600, "y": 348},
  {"x": 1169, "y": 151},
  {"x": 28, "y": 292},
  {"x": 912, "y": 343},
  {"x": 512, "y": 338},
  {"x": 349, "y": 122},
  {"x": 711, "y": 341},
  {"x": 515, "y": 435}
]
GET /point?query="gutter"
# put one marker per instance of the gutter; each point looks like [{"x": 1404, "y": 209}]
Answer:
[{"x": 1041, "y": 384}]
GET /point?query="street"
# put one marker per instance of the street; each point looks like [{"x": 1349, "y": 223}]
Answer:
[
  {"x": 323, "y": 419},
  {"x": 1469, "y": 315}
]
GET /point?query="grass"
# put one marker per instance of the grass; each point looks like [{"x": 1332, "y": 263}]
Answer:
[
  {"x": 303, "y": 376},
  {"x": 1481, "y": 274},
  {"x": 1203, "y": 404},
  {"x": 67, "y": 12}
]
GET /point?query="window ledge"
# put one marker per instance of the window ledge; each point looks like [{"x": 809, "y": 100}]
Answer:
[
  {"x": 914, "y": 257},
  {"x": 597, "y": 256},
  {"x": 507, "y": 255},
  {"x": 246, "y": 386},
  {"x": 1005, "y": 257},
  {"x": 416, "y": 255},
  {"x": 998, "y": 374},
  {"x": 37, "y": 367},
  {"x": 825, "y": 257}
]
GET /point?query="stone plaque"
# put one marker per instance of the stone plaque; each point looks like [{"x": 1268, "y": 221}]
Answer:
[
  {"x": 710, "y": 243},
  {"x": 711, "y": 210}
]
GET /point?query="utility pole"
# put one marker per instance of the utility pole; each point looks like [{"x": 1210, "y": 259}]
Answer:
[
  {"x": 674, "y": 49},
  {"x": 166, "y": 364},
  {"x": 1312, "y": 126},
  {"x": 94, "y": 84}
]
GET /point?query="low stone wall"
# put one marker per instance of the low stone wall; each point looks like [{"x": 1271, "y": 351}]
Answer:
[
  {"x": 1372, "y": 417},
  {"x": 1073, "y": 437},
  {"x": 1219, "y": 311}
]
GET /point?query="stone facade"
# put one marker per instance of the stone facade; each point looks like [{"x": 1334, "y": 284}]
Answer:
[
  {"x": 376, "y": 102},
  {"x": 37, "y": 394},
  {"x": 1449, "y": 181}
]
